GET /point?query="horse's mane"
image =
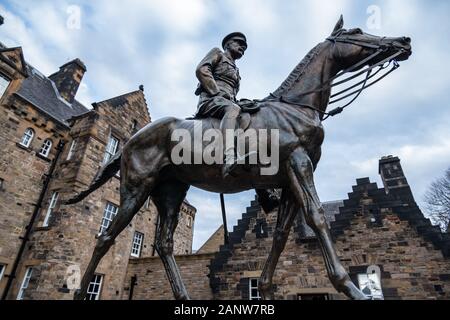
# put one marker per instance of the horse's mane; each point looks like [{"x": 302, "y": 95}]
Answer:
[{"x": 297, "y": 72}]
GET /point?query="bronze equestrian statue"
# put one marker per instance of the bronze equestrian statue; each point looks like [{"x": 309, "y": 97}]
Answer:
[{"x": 296, "y": 109}]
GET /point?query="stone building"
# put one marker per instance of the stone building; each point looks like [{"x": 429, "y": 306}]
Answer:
[
  {"x": 389, "y": 248},
  {"x": 52, "y": 147}
]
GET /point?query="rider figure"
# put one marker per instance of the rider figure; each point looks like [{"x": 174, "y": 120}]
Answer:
[{"x": 219, "y": 84}]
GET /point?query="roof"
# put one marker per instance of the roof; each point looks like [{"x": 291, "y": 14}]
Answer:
[{"x": 40, "y": 91}]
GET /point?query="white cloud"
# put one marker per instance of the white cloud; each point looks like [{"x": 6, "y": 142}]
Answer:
[{"x": 158, "y": 43}]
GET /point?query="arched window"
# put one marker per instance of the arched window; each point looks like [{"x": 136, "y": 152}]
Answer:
[
  {"x": 27, "y": 137},
  {"x": 46, "y": 147}
]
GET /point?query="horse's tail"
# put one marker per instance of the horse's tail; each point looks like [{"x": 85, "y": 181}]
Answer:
[{"x": 103, "y": 175}]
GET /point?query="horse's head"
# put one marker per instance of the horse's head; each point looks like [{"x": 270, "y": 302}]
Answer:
[{"x": 353, "y": 46}]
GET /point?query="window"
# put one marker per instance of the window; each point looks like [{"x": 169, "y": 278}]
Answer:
[
  {"x": 4, "y": 83},
  {"x": 72, "y": 149},
  {"x": 46, "y": 147},
  {"x": 2, "y": 270},
  {"x": 108, "y": 216},
  {"x": 189, "y": 222},
  {"x": 25, "y": 282},
  {"x": 51, "y": 206},
  {"x": 93, "y": 291},
  {"x": 137, "y": 244},
  {"x": 111, "y": 148},
  {"x": 27, "y": 137},
  {"x": 370, "y": 285},
  {"x": 253, "y": 289}
]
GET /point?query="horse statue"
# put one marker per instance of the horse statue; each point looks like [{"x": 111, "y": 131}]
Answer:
[{"x": 296, "y": 109}]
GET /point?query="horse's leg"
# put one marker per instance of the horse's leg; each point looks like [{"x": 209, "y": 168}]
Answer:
[
  {"x": 300, "y": 174},
  {"x": 132, "y": 197},
  {"x": 168, "y": 197},
  {"x": 286, "y": 213}
]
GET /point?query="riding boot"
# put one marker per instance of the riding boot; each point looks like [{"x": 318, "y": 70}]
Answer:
[{"x": 228, "y": 127}]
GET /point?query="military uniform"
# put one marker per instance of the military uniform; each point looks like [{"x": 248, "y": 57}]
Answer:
[{"x": 219, "y": 84}]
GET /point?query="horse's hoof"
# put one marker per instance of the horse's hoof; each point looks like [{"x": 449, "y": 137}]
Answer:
[
  {"x": 353, "y": 292},
  {"x": 77, "y": 295}
]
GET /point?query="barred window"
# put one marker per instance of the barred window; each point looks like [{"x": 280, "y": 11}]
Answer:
[
  {"x": 137, "y": 244},
  {"x": 253, "y": 289},
  {"x": 25, "y": 283},
  {"x": 108, "y": 216},
  {"x": 111, "y": 148},
  {"x": 46, "y": 147},
  {"x": 51, "y": 206},
  {"x": 27, "y": 137},
  {"x": 95, "y": 286}
]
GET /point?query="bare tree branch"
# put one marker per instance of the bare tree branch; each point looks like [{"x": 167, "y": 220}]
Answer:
[{"x": 437, "y": 201}]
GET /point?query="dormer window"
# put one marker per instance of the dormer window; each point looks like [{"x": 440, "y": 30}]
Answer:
[
  {"x": 27, "y": 137},
  {"x": 46, "y": 147}
]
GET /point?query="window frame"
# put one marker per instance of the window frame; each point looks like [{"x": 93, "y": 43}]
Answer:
[
  {"x": 251, "y": 287},
  {"x": 109, "y": 152},
  {"x": 51, "y": 205},
  {"x": 2, "y": 271},
  {"x": 100, "y": 284},
  {"x": 138, "y": 245},
  {"x": 8, "y": 80},
  {"x": 29, "y": 137},
  {"x": 110, "y": 218},
  {"x": 71, "y": 152},
  {"x": 46, "y": 147},
  {"x": 25, "y": 282}
]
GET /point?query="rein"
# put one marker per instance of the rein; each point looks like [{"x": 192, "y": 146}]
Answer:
[{"x": 329, "y": 84}]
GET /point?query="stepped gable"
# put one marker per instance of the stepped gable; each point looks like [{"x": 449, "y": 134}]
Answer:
[
  {"x": 368, "y": 199},
  {"x": 235, "y": 237}
]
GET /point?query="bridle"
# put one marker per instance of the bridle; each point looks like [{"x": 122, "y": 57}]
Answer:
[{"x": 385, "y": 63}]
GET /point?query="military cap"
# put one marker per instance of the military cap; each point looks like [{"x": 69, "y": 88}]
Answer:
[{"x": 234, "y": 36}]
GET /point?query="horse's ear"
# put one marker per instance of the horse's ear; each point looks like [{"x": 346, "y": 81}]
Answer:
[{"x": 339, "y": 26}]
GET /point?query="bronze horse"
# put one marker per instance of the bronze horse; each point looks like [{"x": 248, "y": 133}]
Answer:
[{"x": 147, "y": 170}]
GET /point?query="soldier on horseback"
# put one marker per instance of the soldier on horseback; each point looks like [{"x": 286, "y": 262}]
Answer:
[{"x": 219, "y": 84}]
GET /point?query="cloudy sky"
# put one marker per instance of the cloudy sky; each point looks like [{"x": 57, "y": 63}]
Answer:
[{"x": 159, "y": 43}]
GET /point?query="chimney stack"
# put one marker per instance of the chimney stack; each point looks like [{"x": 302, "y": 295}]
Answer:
[
  {"x": 68, "y": 78},
  {"x": 392, "y": 174}
]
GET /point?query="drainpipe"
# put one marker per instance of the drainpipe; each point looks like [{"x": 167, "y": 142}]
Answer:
[
  {"x": 47, "y": 177},
  {"x": 156, "y": 235},
  {"x": 132, "y": 284}
]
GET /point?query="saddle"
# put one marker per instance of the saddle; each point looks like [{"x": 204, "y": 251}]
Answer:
[{"x": 248, "y": 107}]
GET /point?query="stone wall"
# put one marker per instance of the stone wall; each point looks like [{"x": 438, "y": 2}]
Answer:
[
  {"x": 152, "y": 283},
  {"x": 21, "y": 168},
  {"x": 69, "y": 239},
  {"x": 214, "y": 242},
  {"x": 371, "y": 229}
]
